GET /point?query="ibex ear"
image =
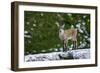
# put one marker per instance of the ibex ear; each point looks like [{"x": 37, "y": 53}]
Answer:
[{"x": 63, "y": 26}]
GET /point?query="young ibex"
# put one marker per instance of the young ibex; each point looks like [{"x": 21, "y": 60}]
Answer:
[{"x": 65, "y": 35}]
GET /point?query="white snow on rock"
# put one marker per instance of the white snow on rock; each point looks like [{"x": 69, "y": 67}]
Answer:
[
  {"x": 74, "y": 54},
  {"x": 81, "y": 54}
]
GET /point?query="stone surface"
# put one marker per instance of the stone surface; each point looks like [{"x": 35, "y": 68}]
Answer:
[{"x": 71, "y": 54}]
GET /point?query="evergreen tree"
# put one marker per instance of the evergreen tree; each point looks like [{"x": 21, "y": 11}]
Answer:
[{"x": 41, "y": 32}]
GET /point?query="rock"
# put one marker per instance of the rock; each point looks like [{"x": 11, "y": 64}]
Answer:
[{"x": 71, "y": 54}]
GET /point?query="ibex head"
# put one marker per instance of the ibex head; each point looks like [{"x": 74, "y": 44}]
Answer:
[{"x": 61, "y": 28}]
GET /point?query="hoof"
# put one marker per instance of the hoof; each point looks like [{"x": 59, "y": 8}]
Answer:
[{"x": 65, "y": 50}]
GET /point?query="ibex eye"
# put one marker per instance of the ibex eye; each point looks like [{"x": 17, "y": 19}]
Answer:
[{"x": 59, "y": 30}]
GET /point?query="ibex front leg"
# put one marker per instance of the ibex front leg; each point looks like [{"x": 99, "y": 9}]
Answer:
[
  {"x": 65, "y": 46},
  {"x": 74, "y": 44}
]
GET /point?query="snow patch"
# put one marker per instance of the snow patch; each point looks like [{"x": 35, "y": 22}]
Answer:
[{"x": 27, "y": 36}]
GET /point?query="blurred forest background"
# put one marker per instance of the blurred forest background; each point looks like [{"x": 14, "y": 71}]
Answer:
[{"x": 41, "y": 32}]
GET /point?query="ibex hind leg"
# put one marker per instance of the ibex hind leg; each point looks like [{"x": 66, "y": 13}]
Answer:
[{"x": 74, "y": 45}]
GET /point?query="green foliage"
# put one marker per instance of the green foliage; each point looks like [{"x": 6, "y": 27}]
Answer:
[{"x": 41, "y": 31}]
